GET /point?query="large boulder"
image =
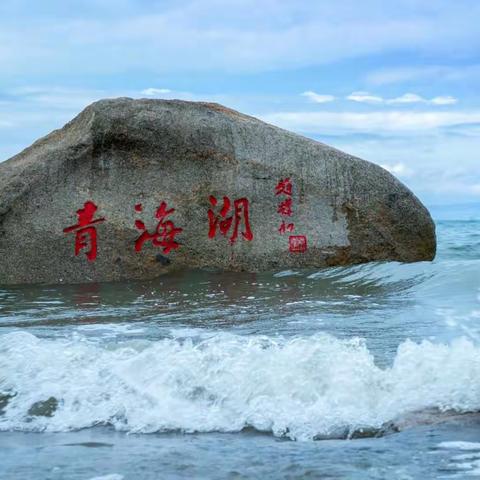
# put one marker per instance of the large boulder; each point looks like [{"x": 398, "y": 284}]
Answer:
[{"x": 131, "y": 189}]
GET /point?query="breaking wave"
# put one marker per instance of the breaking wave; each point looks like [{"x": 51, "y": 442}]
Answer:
[{"x": 301, "y": 388}]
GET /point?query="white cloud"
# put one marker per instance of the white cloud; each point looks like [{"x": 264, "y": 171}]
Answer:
[
  {"x": 399, "y": 169},
  {"x": 377, "y": 122},
  {"x": 407, "y": 98},
  {"x": 364, "y": 97},
  {"x": 446, "y": 100},
  {"x": 248, "y": 36},
  {"x": 153, "y": 92},
  {"x": 438, "y": 168},
  {"x": 317, "y": 98}
]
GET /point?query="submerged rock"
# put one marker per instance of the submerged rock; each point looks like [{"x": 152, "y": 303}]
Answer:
[
  {"x": 131, "y": 189},
  {"x": 4, "y": 401},
  {"x": 44, "y": 408}
]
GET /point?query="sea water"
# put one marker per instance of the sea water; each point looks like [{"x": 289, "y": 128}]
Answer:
[{"x": 369, "y": 371}]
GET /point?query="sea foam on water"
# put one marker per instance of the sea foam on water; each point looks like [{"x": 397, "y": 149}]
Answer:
[{"x": 304, "y": 387}]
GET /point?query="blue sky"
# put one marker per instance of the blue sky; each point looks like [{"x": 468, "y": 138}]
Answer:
[{"x": 396, "y": 83}]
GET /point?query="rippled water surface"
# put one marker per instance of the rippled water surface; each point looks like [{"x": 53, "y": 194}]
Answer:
[{"x": 370, "y": 371}]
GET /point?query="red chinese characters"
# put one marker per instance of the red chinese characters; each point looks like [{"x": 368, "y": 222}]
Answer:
[
  {"x": 231, "y": 219},
  {"x": 286, "y": 227},
  {"x": 226, "y": 217},
  {"x": 163, "y": 235},
  {"x": 285, "y": 207},
  {"x": 296, "y": 243},
  {"x": 284, "y": 187},
  {"x": 85, "y": 232}
]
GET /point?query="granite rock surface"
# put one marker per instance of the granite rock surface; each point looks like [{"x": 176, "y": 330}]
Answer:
[{"x": 132, "y": 189}]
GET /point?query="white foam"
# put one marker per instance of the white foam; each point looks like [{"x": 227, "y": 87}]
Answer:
[
  {"x": 111, "y": 328},
  {"x": 460, "y": 445},
  {"x": 300, "y": 387},
  {"x": 466, "y": 456},
  {"x": 110, "y": 476},
  {"x": 286, "y": 273},
  {"x": 468, "y": 464}
]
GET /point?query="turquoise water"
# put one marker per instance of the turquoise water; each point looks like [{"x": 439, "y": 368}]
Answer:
[{"x": 370, "y": 371}]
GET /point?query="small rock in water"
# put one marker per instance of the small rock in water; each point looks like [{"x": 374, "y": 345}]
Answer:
[
  {"x": 4, "y": 401},
  {"x": 44, "y": 408}
]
